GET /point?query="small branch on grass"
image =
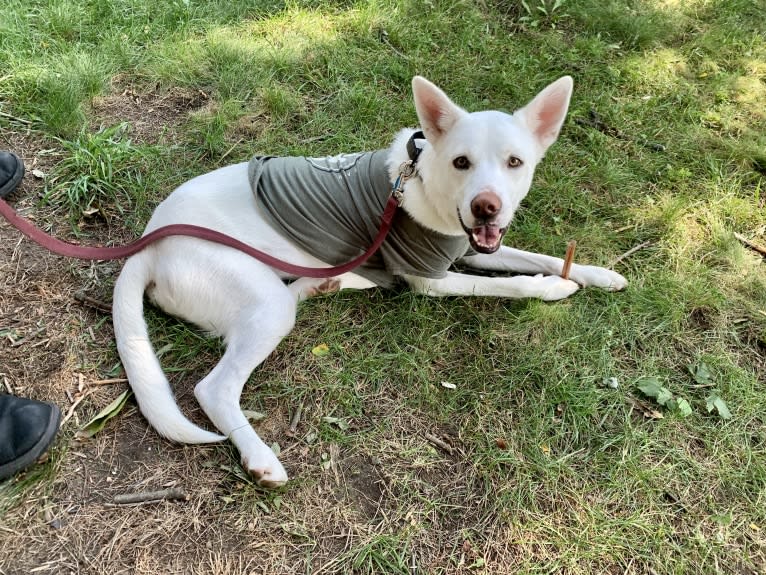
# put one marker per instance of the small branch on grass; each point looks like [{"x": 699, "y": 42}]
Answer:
[
  {"x": 296, "y": 419},
  {"x": 108, "y": 381},
  {"x": 629, "y": 253},
  {"x": 70, "y": 412},
  {"x": 387, "y": 42},
  {"x": 172, "y": 494},
  {"x": 8, "y": 116},
  {"x": 230, "y": 150},
  {"x": 88, "y": 301},
  {"x": 438, "y": 442},
  {"x": 752, "y": 245}
]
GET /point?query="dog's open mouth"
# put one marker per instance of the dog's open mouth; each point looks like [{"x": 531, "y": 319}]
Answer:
[{"x": 485, "y": 238}]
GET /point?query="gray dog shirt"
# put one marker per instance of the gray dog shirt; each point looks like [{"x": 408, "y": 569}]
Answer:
[{"x": 331, "y": 208}]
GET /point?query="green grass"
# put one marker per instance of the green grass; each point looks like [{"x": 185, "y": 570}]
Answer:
[
  {"x": 99, "y": 171},
  {"x": 585, "y": 482}
]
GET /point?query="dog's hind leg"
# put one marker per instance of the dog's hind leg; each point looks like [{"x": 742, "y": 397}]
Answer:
[
  {"x": 258, "y": 330},
  {"x": 245, "y": 302}
]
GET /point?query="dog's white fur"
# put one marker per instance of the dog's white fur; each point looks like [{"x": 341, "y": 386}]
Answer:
[{"x": 249, "y": 304}]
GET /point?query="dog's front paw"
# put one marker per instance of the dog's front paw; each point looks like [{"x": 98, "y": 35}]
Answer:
[
  {"x": 554, "y": 288},
  {"x": 593, "y": 276}
]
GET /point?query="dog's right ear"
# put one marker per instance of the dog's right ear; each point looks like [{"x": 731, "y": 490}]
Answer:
[
  {"x": 545, "y": 114},
  {"x": 437, "y": 113}
]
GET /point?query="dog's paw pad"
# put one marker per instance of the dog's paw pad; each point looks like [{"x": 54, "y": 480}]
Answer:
[
  {"x": 330, "y": 285},
  {"x": 268, "y": 476}
]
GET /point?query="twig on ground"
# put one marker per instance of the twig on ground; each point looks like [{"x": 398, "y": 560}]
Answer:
[
  {"x": 629, "y": 253},
  {"x": 568, "y": 259},
  {"x": 230, "y": 150},
  {"x": 92, "y": 302},
  {"x": 108, "y": 381},
  {"x": 15, "y": 119},
  {"x": 387, "y": 42},
  {"x": 7, "y": 385},
  {"x": 438, "y": 442},
  {"x": 752, "y": 245},
  {"x": 27, "y": 338},
  {"x": 70, "y": 412},
  {"x": 174, "y": 493},
  {"x": 296, "y": 419}
]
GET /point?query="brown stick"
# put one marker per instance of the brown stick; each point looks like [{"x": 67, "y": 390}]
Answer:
[
  {"x": 77, "y": 401},
  {"x": 88, "y": 301},
  {"x": 108, "y": 381},
  {"x": 568, "y": 259},
  {"x": 296, "y": 419},
  {"x": 438, "y": 442},
  {"x": 28, "y": 337},
  {"x": 630, "y": 252},
  {"x": 174, "y": 493},
  {"x": 752, "y": 245}
]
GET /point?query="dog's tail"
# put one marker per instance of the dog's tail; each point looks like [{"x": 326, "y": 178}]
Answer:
[{"x": 151, "y": 387}]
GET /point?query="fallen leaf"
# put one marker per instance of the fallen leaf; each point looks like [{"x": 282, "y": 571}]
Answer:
[
  {"x": 340, "y": 422},
  {"x": 99, "y": 421},
  {"x": 714, "y": 402},
  {"x": 253, "y": 415},
  {"x": 683, "y": 407},
  {"x": 38, "y": 174},
  {"x": 321, "y": 350},
  {"x": 646, "y": 410},
  {"x": 651, "y": 387},
  {"x": 701, "y": 373}
]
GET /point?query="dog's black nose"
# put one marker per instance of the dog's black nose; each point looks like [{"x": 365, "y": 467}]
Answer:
[{"x": 485, "y": 205}]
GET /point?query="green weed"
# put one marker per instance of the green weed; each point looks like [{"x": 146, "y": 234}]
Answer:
[{"x": 99, "y": 169}]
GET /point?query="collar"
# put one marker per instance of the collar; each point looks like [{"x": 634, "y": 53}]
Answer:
[{"x": 412, "y": 148}]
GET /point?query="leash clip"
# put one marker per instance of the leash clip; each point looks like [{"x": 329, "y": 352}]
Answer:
[{"x": 406, "y": 170}]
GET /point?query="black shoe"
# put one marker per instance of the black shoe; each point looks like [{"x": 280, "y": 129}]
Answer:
[
  {"x": 11, "y": 172},
  {"x": 27, "y": 429}
]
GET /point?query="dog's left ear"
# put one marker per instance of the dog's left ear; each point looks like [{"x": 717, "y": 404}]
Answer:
[
  {"x": 545, "y": 114},
  {"x": 436, "y": 112}
]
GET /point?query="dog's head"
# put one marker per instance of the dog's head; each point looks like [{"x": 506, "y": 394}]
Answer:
[{"x": 481, "y": 164}]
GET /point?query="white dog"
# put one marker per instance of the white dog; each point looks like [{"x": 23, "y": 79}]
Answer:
[{"x": 474, "y": 170}]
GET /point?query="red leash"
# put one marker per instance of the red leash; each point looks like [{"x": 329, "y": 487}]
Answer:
[{"x": 66, "y": 249}]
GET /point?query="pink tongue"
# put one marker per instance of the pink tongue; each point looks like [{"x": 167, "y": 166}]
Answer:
[{"x": 487, "y": 235}]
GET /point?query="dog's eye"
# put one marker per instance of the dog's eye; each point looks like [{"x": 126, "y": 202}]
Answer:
[
  {"x": 461, "y": 163},
  {"x": 514, "y": 162}
]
